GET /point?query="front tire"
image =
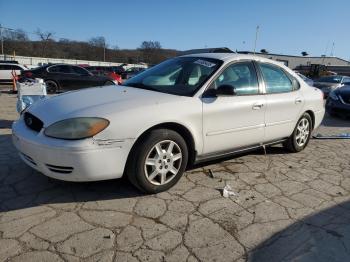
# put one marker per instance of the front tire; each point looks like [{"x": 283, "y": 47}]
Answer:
[
  {"x": 301, "y": 135},
  {"x": 158, "y": 161}
]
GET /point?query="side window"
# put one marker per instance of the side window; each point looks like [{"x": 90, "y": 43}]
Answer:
[
  {"x": 276, "y": 80},
  {"x": 7, "y": 67},
  {"x": 53, "y": 69},
  {"x": 64, "y": 69},
  {"x": 60, "y": 69},
  {"x": 78, "y": 70},
  {"x": 241, "y": 76}
]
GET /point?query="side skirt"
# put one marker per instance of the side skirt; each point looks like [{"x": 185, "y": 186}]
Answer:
[{"x": 237, "y": 151}]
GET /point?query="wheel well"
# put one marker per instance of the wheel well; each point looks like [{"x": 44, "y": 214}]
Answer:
[
  {"x": 312, "y": 117},
  {"x": 183, "y": 131},
  {"x": 56, "y": 82}
]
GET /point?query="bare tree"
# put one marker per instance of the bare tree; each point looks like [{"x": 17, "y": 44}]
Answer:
[
  {"x": 150, "y": 51},
  {"x": 45, "y": 38},
  {"x": 99, "y": 42}
]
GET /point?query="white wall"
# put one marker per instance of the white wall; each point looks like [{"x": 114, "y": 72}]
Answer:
[{"x": 38, "y": 61}]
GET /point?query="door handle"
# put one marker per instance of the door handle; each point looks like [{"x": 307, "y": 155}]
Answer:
[
  {"x": 257, "y": 106},
  {"x": 298, "y": 100}
]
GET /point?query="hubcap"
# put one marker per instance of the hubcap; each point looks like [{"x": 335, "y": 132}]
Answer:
[
  {"x": 163, "y": 162},
  {"x": 51, "y": 87},
  {"x": 303, "y": 131}
]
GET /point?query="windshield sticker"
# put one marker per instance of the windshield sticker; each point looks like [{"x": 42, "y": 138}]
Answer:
[{"x": 204, "y": 63}]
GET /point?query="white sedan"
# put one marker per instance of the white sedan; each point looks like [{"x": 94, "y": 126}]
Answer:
[{"x": 183, "y": 111}]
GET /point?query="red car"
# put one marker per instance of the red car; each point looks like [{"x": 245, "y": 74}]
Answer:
[{"x": 106, "y": 71}]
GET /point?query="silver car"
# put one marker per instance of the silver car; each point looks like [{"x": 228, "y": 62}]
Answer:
[{"x": 185, "y": 110}]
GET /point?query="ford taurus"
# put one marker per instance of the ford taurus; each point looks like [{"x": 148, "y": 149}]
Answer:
[{"x": 185, "y": 110}]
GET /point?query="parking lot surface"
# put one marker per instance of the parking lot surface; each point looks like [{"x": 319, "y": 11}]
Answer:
[{"x": 287, "y": 207}]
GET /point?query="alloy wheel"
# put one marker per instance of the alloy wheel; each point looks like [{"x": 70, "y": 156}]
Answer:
[
  {"x": 303, "y": 131},
  {"x": 163, "y": 162}
]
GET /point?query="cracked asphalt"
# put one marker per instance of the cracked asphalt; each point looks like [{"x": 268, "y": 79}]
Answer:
[{"x": 290, "y": 207}]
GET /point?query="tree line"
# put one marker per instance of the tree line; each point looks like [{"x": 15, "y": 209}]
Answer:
[{"x": 95, "y": 49}]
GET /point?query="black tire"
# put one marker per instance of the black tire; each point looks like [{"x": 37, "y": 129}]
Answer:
[
  {"x": 136, "y": 169},
  {"x": 109, "y": 83},
  {"x": 51, "y": 87},
  {"x": 292, "y": 144}
]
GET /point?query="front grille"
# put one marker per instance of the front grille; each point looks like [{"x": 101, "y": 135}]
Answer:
[
  {"x": 33, "y": 122},
  {"x": 60, "y": 169},
  {"x": 29, "y": 159}
]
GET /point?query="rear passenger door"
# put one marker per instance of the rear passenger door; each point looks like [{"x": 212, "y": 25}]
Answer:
[{"x": 284, "y": 101}]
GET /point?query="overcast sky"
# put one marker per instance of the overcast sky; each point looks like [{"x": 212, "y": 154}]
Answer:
[{"x": 286, "y": 27}]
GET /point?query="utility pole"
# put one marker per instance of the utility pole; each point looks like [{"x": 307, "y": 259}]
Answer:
[
  {"x": 2, "y": 41},
  {"x": 256, "y": 38},
  {"x": 332, "y": 49},
  {"x": 104, "y": 51}
]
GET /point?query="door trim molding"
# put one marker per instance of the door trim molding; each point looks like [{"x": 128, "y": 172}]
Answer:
[
  {"x": 220, "y": 132},
  {"x": 279, "y": 123}
]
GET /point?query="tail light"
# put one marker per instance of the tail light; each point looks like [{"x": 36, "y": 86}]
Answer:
[{"x": 28, "y": 74}]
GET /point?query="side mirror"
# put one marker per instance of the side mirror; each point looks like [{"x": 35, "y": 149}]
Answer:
[{"x": 225, "y": 90}]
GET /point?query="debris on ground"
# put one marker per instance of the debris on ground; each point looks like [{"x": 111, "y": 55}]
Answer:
[
  {"x": 211, "y": 175},
  {"x": 227, "y": 191}
]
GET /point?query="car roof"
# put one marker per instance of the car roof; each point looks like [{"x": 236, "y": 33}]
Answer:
[
  {"x": 233, "y": 56},
  {"x": 11, "y": 64}
]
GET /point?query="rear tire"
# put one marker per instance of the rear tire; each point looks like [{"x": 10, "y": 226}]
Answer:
[
  {"x": 301, "y": 135},
  {"x": 158, "y": 161},
  {"x": 51, "y": 87}
]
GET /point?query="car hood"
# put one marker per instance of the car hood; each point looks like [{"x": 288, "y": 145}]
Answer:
[
  {"x": 344, "y": 91},
  {"x": 326, "y": 85},
  {"x": 96, "y": 102}
]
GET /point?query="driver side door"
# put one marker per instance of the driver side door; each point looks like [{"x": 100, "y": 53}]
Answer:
[{"x": 236, "y": 121}]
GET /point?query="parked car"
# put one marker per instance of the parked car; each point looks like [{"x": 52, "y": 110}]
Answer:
[
  {"x": 63, "y": 77},
  {"x": 307, "y": 80},
  {"x": 6, "y": 70},
  {"x": 185, "y": 110},
  {"x": 133, "y": 71},
  {"x": 120, "y": 71},
  {"x": 105, "y": 71},
  {"x": 329, "y": 83},
  {"x": 338, "y": 102}
]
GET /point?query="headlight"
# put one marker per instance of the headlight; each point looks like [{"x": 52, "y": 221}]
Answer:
[
  {"x": 333, "y": 95},
  {"x": 76, "y": 128}
]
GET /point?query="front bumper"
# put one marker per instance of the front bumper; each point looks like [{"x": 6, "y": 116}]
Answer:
[{"x": 71, "y": 160}]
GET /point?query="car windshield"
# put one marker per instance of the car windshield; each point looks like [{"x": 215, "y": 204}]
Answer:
[
  {"x": 330, "y": 79},
  {"x": 178, "y": 76}
]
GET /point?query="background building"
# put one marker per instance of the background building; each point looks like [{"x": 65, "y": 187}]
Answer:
[{"x": 294, "y": 61}]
